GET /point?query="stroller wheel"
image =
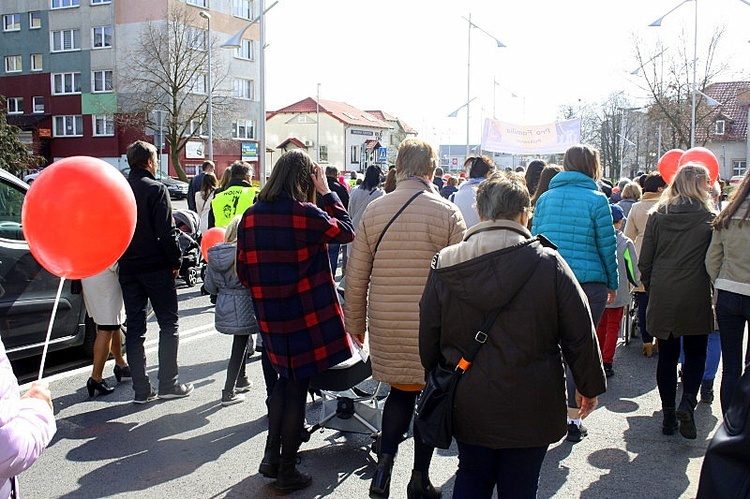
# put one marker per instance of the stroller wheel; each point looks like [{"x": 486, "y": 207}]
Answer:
[{"x": 191, "y": 277}]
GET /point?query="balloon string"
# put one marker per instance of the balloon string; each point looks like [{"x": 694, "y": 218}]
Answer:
[{"x": 49, "y": 329}]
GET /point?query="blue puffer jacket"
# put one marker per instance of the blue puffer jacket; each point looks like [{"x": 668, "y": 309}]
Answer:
[{"x": 575, "y": 216}]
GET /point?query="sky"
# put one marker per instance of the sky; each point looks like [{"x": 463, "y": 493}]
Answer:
[{"x": 409, "y": 57}]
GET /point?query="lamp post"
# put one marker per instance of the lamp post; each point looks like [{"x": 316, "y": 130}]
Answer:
[
  {"x": 235, "y": 41},
  {"x": 317, "y": 125},
  {"x": 468, "y": 74},
  {"x": 210, "y": 149}
]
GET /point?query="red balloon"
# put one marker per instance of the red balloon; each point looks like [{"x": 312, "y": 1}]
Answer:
[
  {"x": 211, "y": 238},
  {"x": 78, "y": 217},
  {"x": 702, "y": 156},
  {"x": 668, "y": 164}
]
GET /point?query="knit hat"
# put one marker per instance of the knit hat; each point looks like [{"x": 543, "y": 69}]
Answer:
[{"x": 617, "y": 213}]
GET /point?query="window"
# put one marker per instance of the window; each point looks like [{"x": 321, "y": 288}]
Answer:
[
  {"x": 197, "y": 39},
  {"x": 61, "y": 4},
  {"x": 720, "y": 127},
  {"x": 323, "y": 152},
  {"x": 355, "y": 154},
  {"x": 11, "y": 201},
  {"x": 39, "y": 104},
  {"x": 101, "y": 37},
  {"x": 68, "y": 126},
  {"x": 243, "y": 129},
  {"x": 739, "y": 166},
  {"x": 101, "y": 81},
  {"x": 36, "y": 62},
  {"x": 197, "y": 84},
  {"x": 15, "y": 105},
  {"x": 197, "y": 129},
  {"x": 243, "y": 9},
  {"x": 66, "y": 83},
  {"x": 35, "y": 20},
  {"x": 243, "y": 89},
  {"x": 13, "y": 63},
  {"x": 66, "y": 40},
  {"x": 198, "y": 3},
  {"x": 100, "y": 2},
  {"x": 245, "y": 50},
  {"x": 302, "y": 118},
  {"x": 104, "y": 125},
  {"x": 12, "y": 22}
]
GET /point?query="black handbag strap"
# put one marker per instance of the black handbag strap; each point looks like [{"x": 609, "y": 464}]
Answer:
[
  {"x": 401, "y": 210},
  {"x": 479, "y": 339}
]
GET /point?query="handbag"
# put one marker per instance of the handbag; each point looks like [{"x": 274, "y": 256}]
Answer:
[
  {"x": 726, "y": 466},
  {"x": 433, "y": 414},
  {"x": 390, "y": 222}
]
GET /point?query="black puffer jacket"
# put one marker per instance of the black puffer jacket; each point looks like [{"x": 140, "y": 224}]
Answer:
[
  {"x": 154, "y": 245},
  {"x": 513, "y": 395}
]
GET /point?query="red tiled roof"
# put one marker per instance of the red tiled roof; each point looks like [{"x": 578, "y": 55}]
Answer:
[
  {"x": 734, "y": 97},
  {"x": 372, "y": 143},
  {"x": 382, "y": 115},
  {"x": 342, "y": 111},
  {"x": 292, "y": 140}
]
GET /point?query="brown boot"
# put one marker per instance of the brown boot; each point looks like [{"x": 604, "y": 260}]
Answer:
[{"x": 648, "y": 350}]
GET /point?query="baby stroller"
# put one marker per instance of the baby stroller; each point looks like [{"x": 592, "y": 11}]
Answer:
[
  {"x": 189, "y": 238},
  {"x": 347, "y": 404}
]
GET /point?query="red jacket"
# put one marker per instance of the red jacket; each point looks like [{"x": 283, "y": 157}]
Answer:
[{"x": 282, "y": 258}]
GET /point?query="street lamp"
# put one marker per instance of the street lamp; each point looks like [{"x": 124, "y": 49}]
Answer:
[
  {"x": 235, "y": 41},
  {"x": 468, "y": 74},
  {"x": 205, "y": 15}
]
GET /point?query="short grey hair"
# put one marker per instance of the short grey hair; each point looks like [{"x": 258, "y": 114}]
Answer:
[{"x": 502, "y": 197}]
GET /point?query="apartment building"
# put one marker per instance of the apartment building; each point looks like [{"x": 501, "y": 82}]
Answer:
[{"x": 67, "y": 72}]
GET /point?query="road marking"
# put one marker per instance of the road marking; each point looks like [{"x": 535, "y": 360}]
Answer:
[{"x": 187, "y": 336}]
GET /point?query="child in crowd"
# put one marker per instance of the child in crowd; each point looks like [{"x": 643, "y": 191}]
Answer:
[
  {"x": 608, "y": 329},
  {"x": 234, "y": 314}
]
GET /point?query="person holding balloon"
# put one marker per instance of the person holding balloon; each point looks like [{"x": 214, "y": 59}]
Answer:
[
  {"x": 282, "y": 258},
  {"x": 673, "y": 272},
  {"x": 148, "y": 269}
]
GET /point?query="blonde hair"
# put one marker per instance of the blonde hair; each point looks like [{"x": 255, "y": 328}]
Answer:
[
  {"x": 416, "y": 158},
  {"x": 690, "y": 185},
  {"x": 230, "y": 237},
  {"x": 631, "y": 191}
]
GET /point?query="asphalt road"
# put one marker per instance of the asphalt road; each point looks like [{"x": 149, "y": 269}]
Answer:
[{"x": 194, "y": 448}]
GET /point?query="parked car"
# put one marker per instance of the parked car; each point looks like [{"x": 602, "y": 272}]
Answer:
[
  {"x": 31, "y": 177},
  {"x": 177, "y": 188},
  {"x": 27, "y": 290}
]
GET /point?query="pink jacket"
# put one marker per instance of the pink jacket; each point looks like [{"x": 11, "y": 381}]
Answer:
[{"x": 26, "y": 426}]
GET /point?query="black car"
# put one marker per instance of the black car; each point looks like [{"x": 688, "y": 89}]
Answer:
[
  {"x": 177, "y": 188},
  {"x": 27, "y": 290}
]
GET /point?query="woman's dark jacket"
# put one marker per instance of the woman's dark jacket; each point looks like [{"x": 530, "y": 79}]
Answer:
[
  {"x": 513, "y": 395},
  {"x": 673, "y": 271}
]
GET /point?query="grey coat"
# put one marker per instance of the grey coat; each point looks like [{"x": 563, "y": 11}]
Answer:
[
  {"x": 674, "y": 273},
  {"x": 234, "y": 306}
]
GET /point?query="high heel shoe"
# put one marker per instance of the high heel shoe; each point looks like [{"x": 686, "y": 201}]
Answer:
[
  {"x": 122, "y": 372},
  {"x": 100, "y": 387},
  {"x": 381, "y": 480}
]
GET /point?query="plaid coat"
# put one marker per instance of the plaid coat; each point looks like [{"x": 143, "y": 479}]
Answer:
[{"x": 282, "y": 258}]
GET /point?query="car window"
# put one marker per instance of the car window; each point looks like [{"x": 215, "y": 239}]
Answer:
[{"x": 11, "y": 201}]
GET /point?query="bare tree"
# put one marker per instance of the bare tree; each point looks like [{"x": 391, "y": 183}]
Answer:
[
  {"x": 167, "y": 71},
  {"x": 15, "y": 157},
  {"x": 667, "y": 76}
]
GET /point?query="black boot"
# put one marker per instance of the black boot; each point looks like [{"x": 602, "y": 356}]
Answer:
[
  {"x": 381, "y": 480},
  {"x": 686, "y": 417},
  {"x": 290, "y": 478},
  {"x": 670, "y": 424},
  {"x": 269, "y": 466},
  {"x": 420, "y": 487}
]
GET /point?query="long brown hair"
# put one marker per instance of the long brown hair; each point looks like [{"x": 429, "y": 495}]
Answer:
[
  {"x": 208, "y": 185},
  {"x": 542, "y": 186},
  {"x": 291, "y": 174},
  {"x": 738, "y": 196}
]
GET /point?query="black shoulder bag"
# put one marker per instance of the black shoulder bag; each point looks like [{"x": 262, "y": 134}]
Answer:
[
  {"x": 401, "y": 210},
  {"x": 433, "y": 413}
]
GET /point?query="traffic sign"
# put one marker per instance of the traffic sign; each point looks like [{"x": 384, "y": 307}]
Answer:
[{"x": 382, "y": 155}]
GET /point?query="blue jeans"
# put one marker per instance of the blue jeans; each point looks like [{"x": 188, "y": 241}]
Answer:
[
  {"x": 732, "y": 314},
  {"x": 333, "y": 256},
  {"x": 137, "y": 290},
  {"x": 515, "y": 472},
  {"x": 596, "y": 293}
]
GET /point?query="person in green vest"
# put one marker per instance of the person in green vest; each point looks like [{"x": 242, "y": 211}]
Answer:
[{"x": 235, "y": 198}]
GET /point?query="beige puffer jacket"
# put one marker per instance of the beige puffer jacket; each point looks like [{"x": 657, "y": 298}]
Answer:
[
  {"x": 635, "y": 226},
  {"x": 396, "y": 275}
]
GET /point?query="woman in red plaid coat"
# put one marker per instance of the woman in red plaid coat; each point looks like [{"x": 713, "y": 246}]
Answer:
[{"x": 282, "y": 258}]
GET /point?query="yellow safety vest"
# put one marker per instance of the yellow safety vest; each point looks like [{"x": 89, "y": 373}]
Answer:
[{"x": 231, "y": 202}]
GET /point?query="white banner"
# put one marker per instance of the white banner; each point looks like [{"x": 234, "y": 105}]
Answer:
[{"x": 552, "y": 138}]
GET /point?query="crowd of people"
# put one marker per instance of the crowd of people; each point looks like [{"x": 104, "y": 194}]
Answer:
[{"x": 427, "y": 260}]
